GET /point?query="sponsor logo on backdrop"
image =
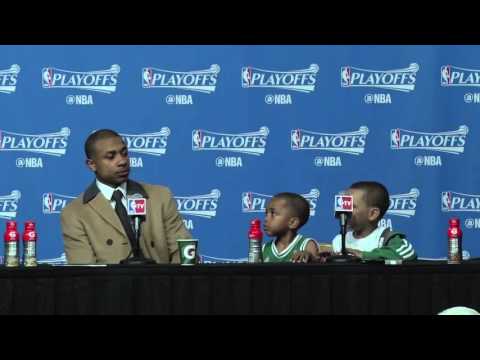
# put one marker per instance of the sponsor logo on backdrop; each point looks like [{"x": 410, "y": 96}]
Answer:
[
  {"x": 203, "y": 206},
  {"x": 9, "y": 79},
  {"x": 351, "y": 143},
  {"x": 458, "y": 202},
  {"x": 52, "y": 144},
  {"x": 9, "y": 205},
  {"x": 199, "y": 205},
  {"x": 53, "y": 203},
  {"x": 102, "y": 81},
  {"x": 455, "y": 76},
  {"x": 404, "y": 205},
  {"x": 450, "y": 142},
  {"x": 253, "y": 202},
  {"x": 303, "y": 80},
  {"x": 249, "y": 143},
  {"x": 199, "y": 81},
  {"x": 400, "y": 80},
  {"x": 154, "y": 144}
]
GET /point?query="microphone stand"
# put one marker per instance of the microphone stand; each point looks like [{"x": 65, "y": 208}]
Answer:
[
  {"x": 344, "y": 257},
  {"x": 138, "y": 258}
]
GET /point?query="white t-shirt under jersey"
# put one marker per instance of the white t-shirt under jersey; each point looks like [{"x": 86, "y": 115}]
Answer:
[{"x": 367, "y": 243}]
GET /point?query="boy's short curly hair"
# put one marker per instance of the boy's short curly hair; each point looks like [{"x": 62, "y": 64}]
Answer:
[
  {"x": 298, "y": 205},
  {"x": 376, "y": 195}
]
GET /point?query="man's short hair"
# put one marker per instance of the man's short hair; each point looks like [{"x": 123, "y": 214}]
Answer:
[
  {"x": 375, "y": 194},
  {"x": 297, "y": 204},
  {"x": 96, "y": 136}
]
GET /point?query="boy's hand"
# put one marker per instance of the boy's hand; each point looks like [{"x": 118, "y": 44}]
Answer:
[{"x": 301, "y": 256}]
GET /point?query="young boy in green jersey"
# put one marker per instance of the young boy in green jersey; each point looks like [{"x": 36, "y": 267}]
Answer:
[
  {"x": 366, "y": 239},
  {"x": 285, "y": 214}
]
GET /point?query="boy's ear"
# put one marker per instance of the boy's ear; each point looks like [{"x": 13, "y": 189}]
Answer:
[
  {"x": 374, "y": 214},
  {"x": 293, "y": 223}
]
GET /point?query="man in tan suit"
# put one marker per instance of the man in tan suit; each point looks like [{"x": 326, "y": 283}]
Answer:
[{"x": 92, "y": 225}]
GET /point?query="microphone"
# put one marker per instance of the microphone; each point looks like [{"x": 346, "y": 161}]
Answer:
[
  {"x": 343, "y": 208},
  {"x": 343, "y": 211},
  {"x": 137, "y": 210}
]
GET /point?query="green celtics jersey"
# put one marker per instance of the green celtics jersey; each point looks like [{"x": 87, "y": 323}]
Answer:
[{"x": 271, "y": 254}]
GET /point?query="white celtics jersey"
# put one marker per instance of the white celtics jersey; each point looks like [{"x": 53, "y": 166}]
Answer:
[{"x": 368, "y": 243}]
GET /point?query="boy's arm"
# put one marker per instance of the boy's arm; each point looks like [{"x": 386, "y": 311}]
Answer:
[
  {"x": 397, "y": 248},
  {"x": 310, "y": 253}
]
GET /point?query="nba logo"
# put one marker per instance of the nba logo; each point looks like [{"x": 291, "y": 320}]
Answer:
[
  {"x": 296, "y": 136},
  {"x": 446, "y": 201},
  {"x": 137, "y": 206},
  {"x": 247, "y": 201},
  {"x": 47, "y": 77},
  {"x": 47, "y": 203},
  {"x": 147, "y": 77},
  {"x": 395, "y": 138},
  {"x": 446, "y": 75},
  {"x": 247, "y": 75},
  {"x": 197, "y": 139},
  {"x": 346, "y": 74},
  {"x": 343, "y": 203}
]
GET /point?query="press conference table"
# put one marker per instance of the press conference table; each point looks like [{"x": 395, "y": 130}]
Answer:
[{"x": 414, "y": 288}]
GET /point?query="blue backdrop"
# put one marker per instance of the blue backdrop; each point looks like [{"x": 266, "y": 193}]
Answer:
[{"x": 226, "y": 127}]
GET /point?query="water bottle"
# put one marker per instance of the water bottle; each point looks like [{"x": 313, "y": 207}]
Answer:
[
  {"x": 11, "y": 238},
  {"x": 454, "y": 241},
  {"x": 255, "y": 237},
  {"x": 30, "y": 237}
]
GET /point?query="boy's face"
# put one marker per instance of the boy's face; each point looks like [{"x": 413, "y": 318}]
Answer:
[
  {"x": 363, "y": 215},
  {"x": 278, "y": 218}
]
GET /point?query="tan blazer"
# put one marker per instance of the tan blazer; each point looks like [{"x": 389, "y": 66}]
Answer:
[{"x": 93, "y": 233}]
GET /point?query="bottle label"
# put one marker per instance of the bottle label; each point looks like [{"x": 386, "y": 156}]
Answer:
[
  {"x": 30, "y": 249},
  {"x": 11, "y": 254},
  {"x": 255, "y": 252},
  {"x": 11, "y": 249},
  {"x": 453, "y": 251}
]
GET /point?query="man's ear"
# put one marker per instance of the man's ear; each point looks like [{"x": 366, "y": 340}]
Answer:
[
  {"x": 374, "y": 214},
  {"x": 91, "y": 165},
  {"x": 293, "y": 223}
]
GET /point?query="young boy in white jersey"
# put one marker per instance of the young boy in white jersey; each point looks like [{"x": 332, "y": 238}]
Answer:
[
  {"x": 285, "y": 214},
  {"x": 365, "y": 238}
]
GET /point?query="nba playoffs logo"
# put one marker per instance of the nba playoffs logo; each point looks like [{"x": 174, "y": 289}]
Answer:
[
  {"x": 296, "y": 80},
  {"x": 8, "y": 79},
  {"x": 456, "y": 76},
  {"x": 199, "y": 205},
  {"x": 252, "y": 143},
  {"x": 204, "y": 81},
  {"x": 54, "y": 144},
  {"x": 9, "y": 205},
  {"x": 256, "y": 203},
  {"x": 404, "y": 204},
  {"x": 453, "y": 201},
  {"x": 352, "y": 143},
  {"x": 452, "y": 142},
  {"x": 53, "y": 203},
  {"x": 398, "y": 79},
  {"x": 104, "y": 81},
  {"x": 136, "y": 206},
  {"x": 149, "y": 143}
]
